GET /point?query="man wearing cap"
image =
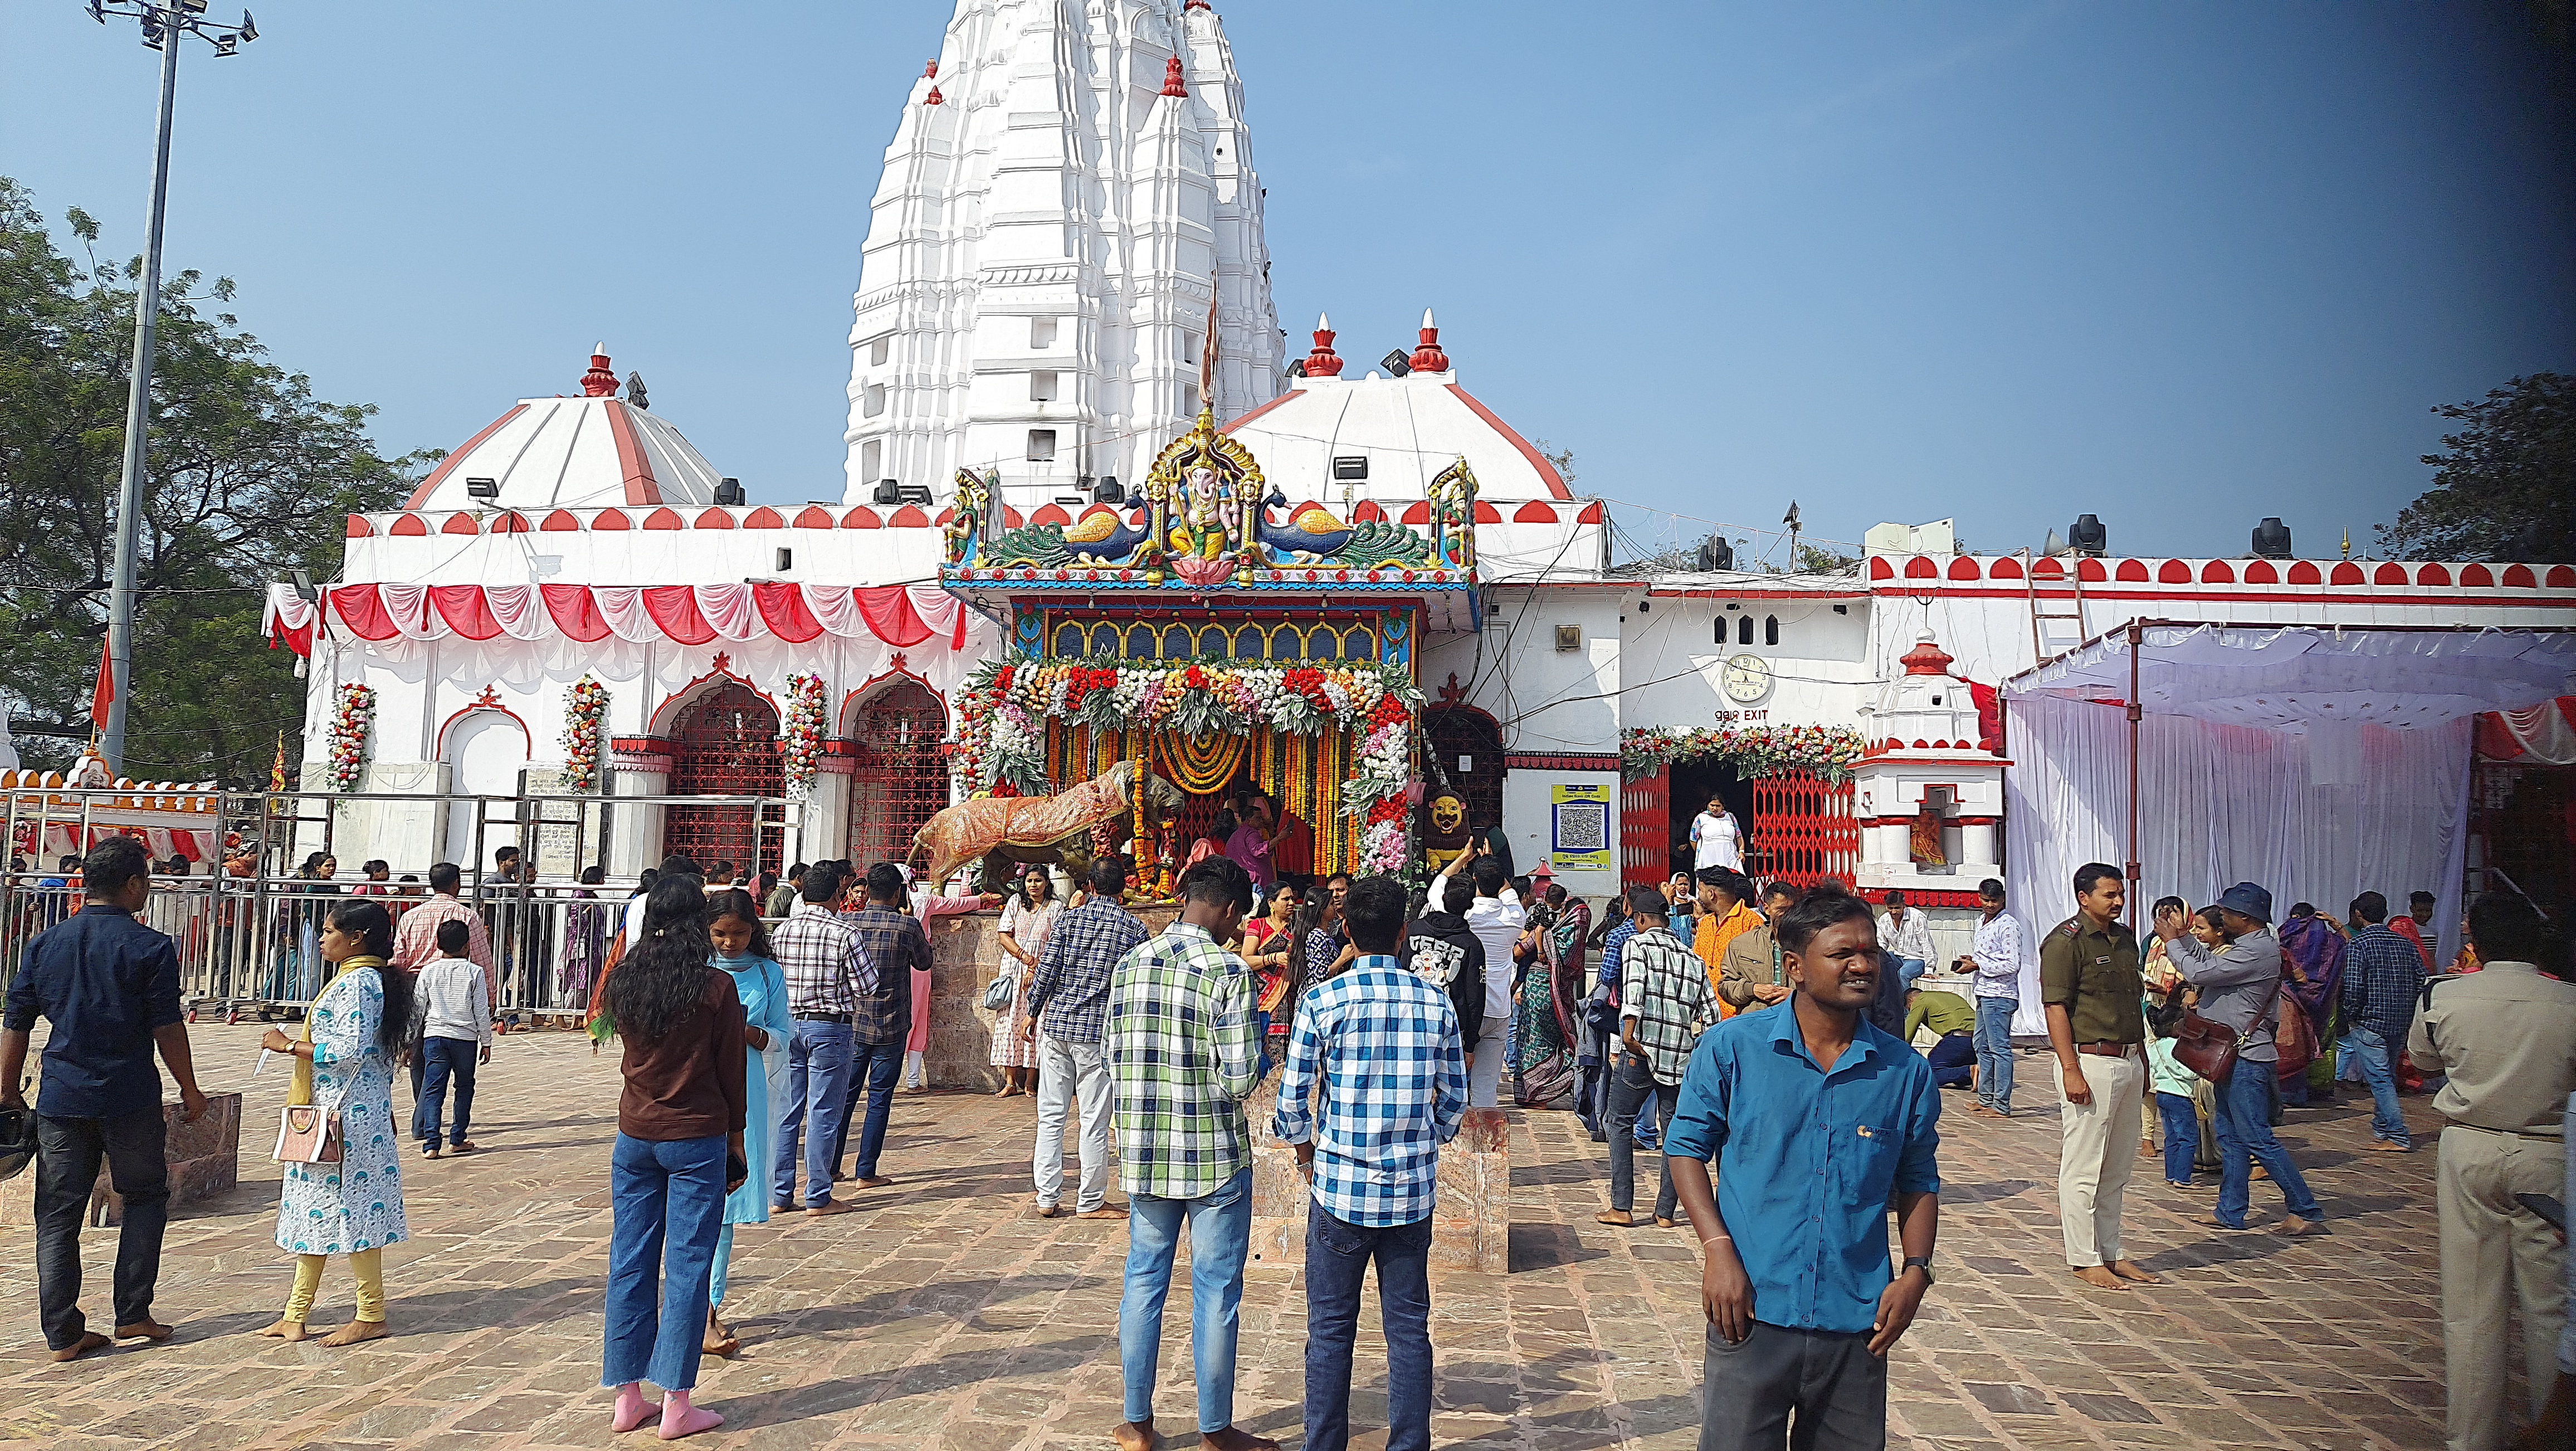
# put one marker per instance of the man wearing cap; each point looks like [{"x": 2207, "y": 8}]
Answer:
[
  {"x": 2506, "y": 1035},
  {"x": 2240, "y": 989},
  {"x": 2097, "y": 1025}
]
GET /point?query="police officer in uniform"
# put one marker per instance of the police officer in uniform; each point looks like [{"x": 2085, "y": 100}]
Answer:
[
  {"x": 2507, "y": 1038},
  {"x": 2089, "y": 981}
]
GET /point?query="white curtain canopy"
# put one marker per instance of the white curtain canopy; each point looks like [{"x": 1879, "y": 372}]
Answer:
[{"x": 2320, "y": 763}]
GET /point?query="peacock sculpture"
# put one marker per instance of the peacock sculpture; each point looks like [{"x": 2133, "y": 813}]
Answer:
[
  {"x": 1314, "y": 536},
  {"x": 1098, "y": 538}
]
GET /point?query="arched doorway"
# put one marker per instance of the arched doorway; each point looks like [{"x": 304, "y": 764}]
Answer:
[
  {"x": 725, "y": 743},
  {"x": 1465, "y": 746},
  {"x": 486, "y": 751},
  {"x": 902, "y": 773}
]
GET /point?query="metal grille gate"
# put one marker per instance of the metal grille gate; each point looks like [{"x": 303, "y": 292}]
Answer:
[
  {"x": 902, "y": 772},
  {"x": 726, "y": 744}
]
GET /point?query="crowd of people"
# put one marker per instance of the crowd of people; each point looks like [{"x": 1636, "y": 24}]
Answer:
[{"x": 1763, "y": 1037}]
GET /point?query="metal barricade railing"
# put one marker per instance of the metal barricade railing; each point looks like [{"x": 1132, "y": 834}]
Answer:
[{"x": 246, "y": 921}]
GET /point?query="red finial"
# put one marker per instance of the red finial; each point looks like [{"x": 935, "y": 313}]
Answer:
[
  {"x": 1200, "y": 5},
  {"x": 1428, "y": 358},
  {"x": 1323, "y": 362},
  {"x": 1173, "y": 85},
  {"x": 930, "y": 73},
  {"x": 599, "y": 382},
  {"x": 1926, "y": 658}
]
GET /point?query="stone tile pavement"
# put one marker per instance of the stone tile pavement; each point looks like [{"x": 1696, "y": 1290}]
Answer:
[{"x": 944, "y": 1317}]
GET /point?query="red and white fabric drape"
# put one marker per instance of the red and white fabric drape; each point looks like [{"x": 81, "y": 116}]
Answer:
[
  {"x": 2544, "y": 734},
  {"x": 902, "y": 616}
]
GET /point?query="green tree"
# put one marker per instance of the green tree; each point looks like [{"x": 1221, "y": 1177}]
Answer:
[
  {"x": 2506, "y": 490},
  {"x": 249, "y": 476}
]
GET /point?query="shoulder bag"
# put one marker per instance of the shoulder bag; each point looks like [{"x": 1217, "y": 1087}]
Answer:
[{"x": 2207, "y": 1048}]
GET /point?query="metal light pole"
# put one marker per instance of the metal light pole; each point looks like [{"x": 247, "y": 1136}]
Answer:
[{"x": 162, "y": 27}]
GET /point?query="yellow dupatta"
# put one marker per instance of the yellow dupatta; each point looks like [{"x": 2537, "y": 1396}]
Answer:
[{"x": 299, "y": 1088}]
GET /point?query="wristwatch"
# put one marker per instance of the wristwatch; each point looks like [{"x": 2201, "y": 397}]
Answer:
[{"x": 1919, "y": 1262}]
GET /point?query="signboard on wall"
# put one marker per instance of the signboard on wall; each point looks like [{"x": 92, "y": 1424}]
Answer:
[{"x": 1579, "y": 828}]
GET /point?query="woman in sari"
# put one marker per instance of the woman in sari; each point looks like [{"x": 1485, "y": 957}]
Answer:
[
  {"x": 2312, "y": 951},
  {"x": 1550, "y": 988},
  {"x": 344, "y": 1063}
]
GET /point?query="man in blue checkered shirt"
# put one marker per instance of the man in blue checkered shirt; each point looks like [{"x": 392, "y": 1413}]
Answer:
[{"x": 1385, "y": 1042}]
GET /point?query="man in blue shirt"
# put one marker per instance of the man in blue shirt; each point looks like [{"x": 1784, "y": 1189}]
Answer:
[
  {"x": 1385, "y": 1042},
  {"x": 110, "y": 987},
  {"x": 2382, "y": 974},
  {"x": 1813, "y": 1116}
]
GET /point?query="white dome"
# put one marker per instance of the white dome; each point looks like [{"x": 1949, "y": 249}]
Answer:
[{"x": 595, "y": 451}]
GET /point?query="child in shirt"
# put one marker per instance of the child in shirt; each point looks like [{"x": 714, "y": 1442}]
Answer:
[
  {"x": 2173, "y": 1085},
  {"x": 455, "y": 1036}
]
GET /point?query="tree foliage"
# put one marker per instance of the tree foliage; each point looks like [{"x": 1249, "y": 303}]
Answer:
[
  {"x": 248, "y": 477},
  {"x": 2506, "y": 490}
]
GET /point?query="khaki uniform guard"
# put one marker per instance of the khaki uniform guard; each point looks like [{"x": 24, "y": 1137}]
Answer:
[
  {"x": 2507, "y": 1038},
  {"x": 2093, "y": 972}
]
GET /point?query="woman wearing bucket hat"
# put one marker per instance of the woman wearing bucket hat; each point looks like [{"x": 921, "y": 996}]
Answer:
[{"x": 2240, "y": 989}]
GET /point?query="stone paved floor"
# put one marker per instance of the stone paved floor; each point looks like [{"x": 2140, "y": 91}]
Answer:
[{"x": 944, "y": 1317}]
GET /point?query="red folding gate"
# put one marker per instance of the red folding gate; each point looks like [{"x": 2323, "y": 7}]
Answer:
[
  {"x": 1645, "y": 830},
  {"x": 726, "y": 744},
  {"x": 1802, "y": 831},
  {"x": 901, "y": 779}
]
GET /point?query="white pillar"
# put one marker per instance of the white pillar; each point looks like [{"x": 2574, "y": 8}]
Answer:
[
  {"x": 1977, "y": 843},
  {"x": 635, "y": 832}
]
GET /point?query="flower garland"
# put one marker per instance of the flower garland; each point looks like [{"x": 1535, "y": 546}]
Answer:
[
  {"x": 800, "y": 741},
  {"x": 350, "y": 718},
  {"x": 1004, "y": 710},
  {"x": 1827, "y": 751},
  {"x": 585, "y": 715}
]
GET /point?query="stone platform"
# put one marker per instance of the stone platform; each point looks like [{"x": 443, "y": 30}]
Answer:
[{"x": 204, "y": 1157}]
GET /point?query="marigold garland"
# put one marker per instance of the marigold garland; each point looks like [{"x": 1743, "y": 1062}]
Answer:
[
  {"x": 800, "y": 740},
  {"x": 1829, "y": 752},
  {"x": 585, "y": 722},
  {"x": 351, "y": 716}
]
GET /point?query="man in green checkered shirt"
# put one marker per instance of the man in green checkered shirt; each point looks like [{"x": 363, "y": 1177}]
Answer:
[{"x": 1183, "y": 1056}]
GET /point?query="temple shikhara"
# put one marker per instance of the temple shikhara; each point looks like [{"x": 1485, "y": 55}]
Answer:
[{"x": 1100, "y": 521}]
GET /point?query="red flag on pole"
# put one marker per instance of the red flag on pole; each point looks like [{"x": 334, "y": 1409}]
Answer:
[{"x": 103, "y": 694}]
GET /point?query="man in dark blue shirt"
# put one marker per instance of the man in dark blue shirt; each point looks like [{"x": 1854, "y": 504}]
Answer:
[
  {"x": 1813, "y": 1116},
  {"x": 110, "y": 987}
]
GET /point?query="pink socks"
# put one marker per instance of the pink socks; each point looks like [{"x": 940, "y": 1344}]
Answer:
[
  {"x": 631, "y": 1409},
  {"x": 679, "y": 1418}
]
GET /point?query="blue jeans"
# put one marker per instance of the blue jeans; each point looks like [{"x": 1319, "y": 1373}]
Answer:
[
  {"x": 2182, "y": 1135},
  {"x": 668, "y": 1202},
  {"x": 1995, "y": 1052},
  {"x": 443, "y": 1060},
  {"x": 874, "y": 1067},
  {"x": 1337, "y": 1258},
  {"x": 2369, "y": 1052},
  {"x": 818, "y": 1076},
  {"x": 1220, "y": 1241},
  {"x": 1637, "y": 1102},
  {"x": 1910, "y": 968},
  {"x": 2245, "y": 1138}
]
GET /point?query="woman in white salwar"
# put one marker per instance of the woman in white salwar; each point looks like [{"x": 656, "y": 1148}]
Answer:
[{"x": 344, "y": 1062}]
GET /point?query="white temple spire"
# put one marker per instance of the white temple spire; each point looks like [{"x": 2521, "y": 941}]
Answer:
[{"x": 1037, "y": 274}]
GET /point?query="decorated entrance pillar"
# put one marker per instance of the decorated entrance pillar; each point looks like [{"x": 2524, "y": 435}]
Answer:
[
  {"x": 638, "y": 766},
  {"x": 1929, "y": 797}
]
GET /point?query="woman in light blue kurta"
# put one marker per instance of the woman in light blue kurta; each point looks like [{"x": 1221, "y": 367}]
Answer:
[
  {"x": 742, "y": 949},
  {"x": 344, "y": 1062}
]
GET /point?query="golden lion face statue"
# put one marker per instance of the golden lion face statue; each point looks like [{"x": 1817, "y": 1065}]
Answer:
[{"x": 1448, "y": 813}]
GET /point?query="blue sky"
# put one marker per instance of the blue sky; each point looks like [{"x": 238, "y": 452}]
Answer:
[{"x": 2178, "y": 265}]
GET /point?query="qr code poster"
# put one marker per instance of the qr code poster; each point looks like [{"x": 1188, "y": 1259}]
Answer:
[{"x": 1579, "y": 828}]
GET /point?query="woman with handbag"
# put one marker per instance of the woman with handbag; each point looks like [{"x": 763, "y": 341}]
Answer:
[
  {"x": 2228, "y": 1040},
  {"x": 741, "y": 945},
  {"x": 342, "y": 1153},
  {"x": 679, "y": 1154},
  {"x": 1027, "y": 919}
]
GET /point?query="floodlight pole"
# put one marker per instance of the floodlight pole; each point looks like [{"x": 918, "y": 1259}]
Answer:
[
  {"x": 169, "y": 23},
  {"x": 138, "y": 415}
]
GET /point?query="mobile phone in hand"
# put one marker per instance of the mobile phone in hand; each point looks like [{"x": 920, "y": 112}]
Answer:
[{"x": 2548, "y": 1208}]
